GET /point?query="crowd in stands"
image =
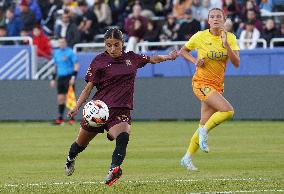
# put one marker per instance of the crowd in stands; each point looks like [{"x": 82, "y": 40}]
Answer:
[{"x": 82, "y": 21}]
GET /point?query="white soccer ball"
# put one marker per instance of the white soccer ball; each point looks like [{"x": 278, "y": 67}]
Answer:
[{"x": 95, "y": 113}]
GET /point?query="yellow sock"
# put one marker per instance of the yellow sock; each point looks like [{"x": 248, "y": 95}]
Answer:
[
  {"x": 194, "y": 143},
  {"x": 218, "y": 118}
]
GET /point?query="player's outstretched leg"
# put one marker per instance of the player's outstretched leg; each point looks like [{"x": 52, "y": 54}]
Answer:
[
  {"x": 186, "y": 161},
  {"x": 75, "y": 149},
  {"x": 113, "y": 175},
  {"x": 118, "y": 156}
]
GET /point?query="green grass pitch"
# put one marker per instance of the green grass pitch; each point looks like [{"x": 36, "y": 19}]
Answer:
[{"x": 245, "y": 157}]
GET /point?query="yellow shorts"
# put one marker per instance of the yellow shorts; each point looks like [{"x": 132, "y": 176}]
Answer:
[{"x": 202, "y": 90}]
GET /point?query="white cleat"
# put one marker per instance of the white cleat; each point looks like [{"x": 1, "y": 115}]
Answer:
[
  {"x": 69, "y": 167},
  {"x": 188, "y": 164},
  {"x": 203, "y": 138}
]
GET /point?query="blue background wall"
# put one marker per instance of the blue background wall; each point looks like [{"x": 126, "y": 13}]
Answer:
[{"x": 253, "y": 62}]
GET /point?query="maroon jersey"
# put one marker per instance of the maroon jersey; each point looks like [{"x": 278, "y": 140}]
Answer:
[{"x": 114, "y": 78}]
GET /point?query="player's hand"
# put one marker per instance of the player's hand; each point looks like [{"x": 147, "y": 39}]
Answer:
[
  {"x": 173, "y": 55},
  {"x": 200, "y": 62},
  {"x": 224, "y": 38},
  {"x": 72, "y": 113},
  {"x": 72, "y": 81},
  {"x": 52, "y": 83}
]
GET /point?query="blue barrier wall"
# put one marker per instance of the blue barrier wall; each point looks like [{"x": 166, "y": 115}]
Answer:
[
  {"x": 15, "y": 62},
  {"x": 253, "y": 62}
]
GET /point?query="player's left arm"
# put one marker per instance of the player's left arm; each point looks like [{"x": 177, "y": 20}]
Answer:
[
  {"x": 233, "y": 55},
  {"x": 76, "y": 68},
  {"x": 160, "y": 58}
]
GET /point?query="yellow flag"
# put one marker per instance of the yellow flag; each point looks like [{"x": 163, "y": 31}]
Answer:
[{"x": 71, "y": 98}]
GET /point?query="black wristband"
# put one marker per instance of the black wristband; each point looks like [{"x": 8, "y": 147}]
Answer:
[
  {"x": 75, "y": 73},
  {"x": 54, "y": 76}
]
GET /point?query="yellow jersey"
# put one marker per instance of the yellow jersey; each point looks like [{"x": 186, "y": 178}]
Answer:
[{"x": 210, "y": 48}]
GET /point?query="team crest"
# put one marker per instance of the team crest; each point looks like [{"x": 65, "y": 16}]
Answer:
[
  {"x": 123, "y": 118},
  {"x": 128, "y": 62},
  {"x": 205, "y": 90}
]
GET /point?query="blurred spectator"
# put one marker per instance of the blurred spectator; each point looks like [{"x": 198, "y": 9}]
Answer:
[
  {"x": 67, "y": 29},
  {"x": 49, "y": 18},
  {"x": 280, "y": 35},
  {"x": 91, "y": 2},
  {"x": 169, "y": 29},
  {"x": 2, "y": 17},
  {"x": 250, "y": 33},
  {"x": 33, "y": 7},
  {"x": 153, "y": 7},
  {"x": 152, "y": 33},
  {"x": 118, "y": 10},
  {"x": 249, "y": 5},
  {"x": 216, "y": 3},
  {"x": 251, "y": 16},
  {"x": 6, "y": 4},
  {"x": 278, "y": 5},
  {"x": 231, "y": 10},
  {"x": 266, "y": 6},
  {"x": 88, "y": 23},
  {"x": 188, "y": 27},
  {"x": 25, "y": 32},
  {"x": 270, "y": 31},
  {"x": 27, "y": 15},
  {"x": 204, "y": 14},
  {"x": 136, "y": 27},
  {"x": 168, "y": 7},
  {"x": 71, "y": 6},
  {"x": 103, "y": 13},
  {"x": 44, "y": 7},
  {"x": 148, "y": 6},
  {"x": 3, "y": 33},
  {"x": 41, "y": 41},
  {"x": 179, "y": 7},
  {"x": 14, "y": 23},
  {"x": 196, "y": 9}
]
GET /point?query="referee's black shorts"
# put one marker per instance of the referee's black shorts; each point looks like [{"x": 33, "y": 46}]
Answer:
[{"x": 63, "y": 84}]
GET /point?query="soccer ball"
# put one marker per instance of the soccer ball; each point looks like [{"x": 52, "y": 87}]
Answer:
[{"x": 95, "y": 113}]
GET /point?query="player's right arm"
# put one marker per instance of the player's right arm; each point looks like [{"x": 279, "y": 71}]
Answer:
[
  {"x": 185, "y": 52},
  {"x": 82, "y": 99},
  {"x": 192, "y": 44}
]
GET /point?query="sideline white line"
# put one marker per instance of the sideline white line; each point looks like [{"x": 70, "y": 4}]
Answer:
[
  {"x": 137, "y": 181},
  {"x": 245, "y": 191}
]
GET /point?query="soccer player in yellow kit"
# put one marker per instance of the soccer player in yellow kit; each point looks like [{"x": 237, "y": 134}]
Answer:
[{"x": 214, "y": 48}]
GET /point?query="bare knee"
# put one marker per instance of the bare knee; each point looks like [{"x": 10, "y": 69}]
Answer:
[{"x": 85, "y": 137}]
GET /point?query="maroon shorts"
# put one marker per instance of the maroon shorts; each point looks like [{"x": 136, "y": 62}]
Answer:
[{"x": 116, "y": 115}]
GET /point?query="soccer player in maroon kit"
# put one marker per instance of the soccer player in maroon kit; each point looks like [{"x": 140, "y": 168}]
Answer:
[{"x": 113, "y": 73}]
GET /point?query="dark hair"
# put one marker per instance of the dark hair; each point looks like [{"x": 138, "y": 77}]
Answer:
[
  {"x": 113, "y": 33},
  {"x": 216, "y": 8},
  {"x": 82, "y": 3}
]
